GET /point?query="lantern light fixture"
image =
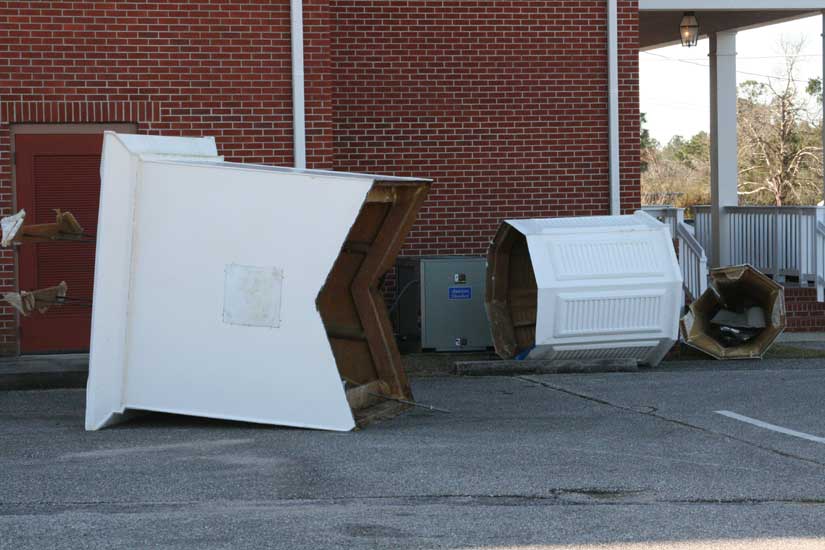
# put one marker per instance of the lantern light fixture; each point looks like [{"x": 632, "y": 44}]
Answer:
[{"x": 689, "y": 29}]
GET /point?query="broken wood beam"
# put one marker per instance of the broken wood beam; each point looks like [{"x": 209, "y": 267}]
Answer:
[{"x": 346, "y": 333}]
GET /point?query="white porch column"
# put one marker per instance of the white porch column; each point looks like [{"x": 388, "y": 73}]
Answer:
[{"x": 724, "y": 171}]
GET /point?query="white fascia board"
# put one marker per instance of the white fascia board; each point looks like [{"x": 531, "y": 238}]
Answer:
[
  {"x": 639, "y": 220},
  {"x": 167, "y": 146},
  {"x": 729, "y": 5},
  {"x": 305, "y": 171}
]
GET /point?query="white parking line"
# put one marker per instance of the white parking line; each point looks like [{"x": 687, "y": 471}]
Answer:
[{"x": 773, "y": 427}]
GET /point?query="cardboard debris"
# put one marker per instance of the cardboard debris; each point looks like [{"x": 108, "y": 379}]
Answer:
[
  {"x": 27, "y": 302},
  {"x": 64, "y": 228},
  {"x": 739, "y": 316},
  {"x": 11, "y": 226}
]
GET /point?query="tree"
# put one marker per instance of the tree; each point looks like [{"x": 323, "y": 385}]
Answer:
[
  {"x": 678, "y": 173},
  {"x": 778, "y": 148},
  {"x": 814, "y": 88},
  {"x": 648, "y": 144},
  {"x": 693, "y": 153}
]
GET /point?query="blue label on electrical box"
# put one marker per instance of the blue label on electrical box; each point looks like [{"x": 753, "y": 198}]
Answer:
[{"x": 460, "y": 292}]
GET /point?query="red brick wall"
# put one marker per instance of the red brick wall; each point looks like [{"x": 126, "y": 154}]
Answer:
[
  {"x": 503, "y": 103},
  {"x": 629, "y": 108},
  {"x": 805, "y": 314},
  {"x": 218, "y": 67},
  {"x": 318, "y": 83}
]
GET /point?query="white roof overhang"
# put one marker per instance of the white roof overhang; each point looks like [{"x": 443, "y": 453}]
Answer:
[{"x": 659, "y": 19}]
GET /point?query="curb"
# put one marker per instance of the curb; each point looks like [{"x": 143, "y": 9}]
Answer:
[
  {"x": 540, "y": 366},
  {"x": 44, "y": 372}
]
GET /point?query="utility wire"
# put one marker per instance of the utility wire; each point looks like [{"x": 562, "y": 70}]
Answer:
[
  {"x": 741, "y": 56},
  {"x": 700, "y": 64}
]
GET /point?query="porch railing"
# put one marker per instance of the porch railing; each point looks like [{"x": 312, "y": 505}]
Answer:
[
  {"x": 819, "y": 257},
  {"x": 779, "y": 241},
  {"x": 692, "y": 259},
  {"x": 668, "y": 215},
  {"x": 701, "y": 226}
]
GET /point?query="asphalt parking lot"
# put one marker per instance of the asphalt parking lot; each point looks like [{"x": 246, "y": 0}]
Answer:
[{"x": 624, "y": 460}]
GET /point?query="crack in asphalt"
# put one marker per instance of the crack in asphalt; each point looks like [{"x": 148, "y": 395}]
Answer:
[
  {"x": 655, "y": 414},
  {"x": 559, "y": 498}
]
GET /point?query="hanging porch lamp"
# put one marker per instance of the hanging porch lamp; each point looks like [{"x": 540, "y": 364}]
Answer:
[{"x": 689, "y": 29}]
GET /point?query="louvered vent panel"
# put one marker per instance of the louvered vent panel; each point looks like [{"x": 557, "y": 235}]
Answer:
[
  {"x": 68, "y": 182},
  {"x": 606, "y": 353},
  {"x": 620, "y": 259},
  {"x": 604, "y": 315}
]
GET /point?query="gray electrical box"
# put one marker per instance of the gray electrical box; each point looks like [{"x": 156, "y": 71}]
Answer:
[{"x": 446, "y": 311}]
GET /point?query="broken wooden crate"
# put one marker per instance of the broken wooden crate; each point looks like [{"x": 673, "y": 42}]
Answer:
[
  {"x": 601, "y": 287},
  {"x": 241, "y": 291}
]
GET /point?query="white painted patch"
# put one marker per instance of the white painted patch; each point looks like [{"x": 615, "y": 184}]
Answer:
[
  {"x": 772, "y": 427},
  {"x": 252, "y": 296}
]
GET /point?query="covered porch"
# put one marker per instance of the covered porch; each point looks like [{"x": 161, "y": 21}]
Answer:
[{"x": 788, "y": 242}]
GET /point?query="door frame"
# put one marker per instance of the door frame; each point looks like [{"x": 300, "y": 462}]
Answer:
[
  {"x": 29, "y": 129},
  {"x": 75, "y": 128}
]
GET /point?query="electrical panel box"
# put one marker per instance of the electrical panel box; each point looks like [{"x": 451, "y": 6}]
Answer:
[
  {"x": 440, "y": 304},
  {"x": 450, "y": 313},
  {"x": 452, "y": 304}
]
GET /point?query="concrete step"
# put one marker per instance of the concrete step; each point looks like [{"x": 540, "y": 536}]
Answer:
[{"x": 29, "y": 372}]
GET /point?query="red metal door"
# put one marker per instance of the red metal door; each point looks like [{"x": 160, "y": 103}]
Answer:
[{"x": 58, "y": 171}]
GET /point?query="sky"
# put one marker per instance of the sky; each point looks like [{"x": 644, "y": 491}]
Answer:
[{"x": 675, "y": 85}]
